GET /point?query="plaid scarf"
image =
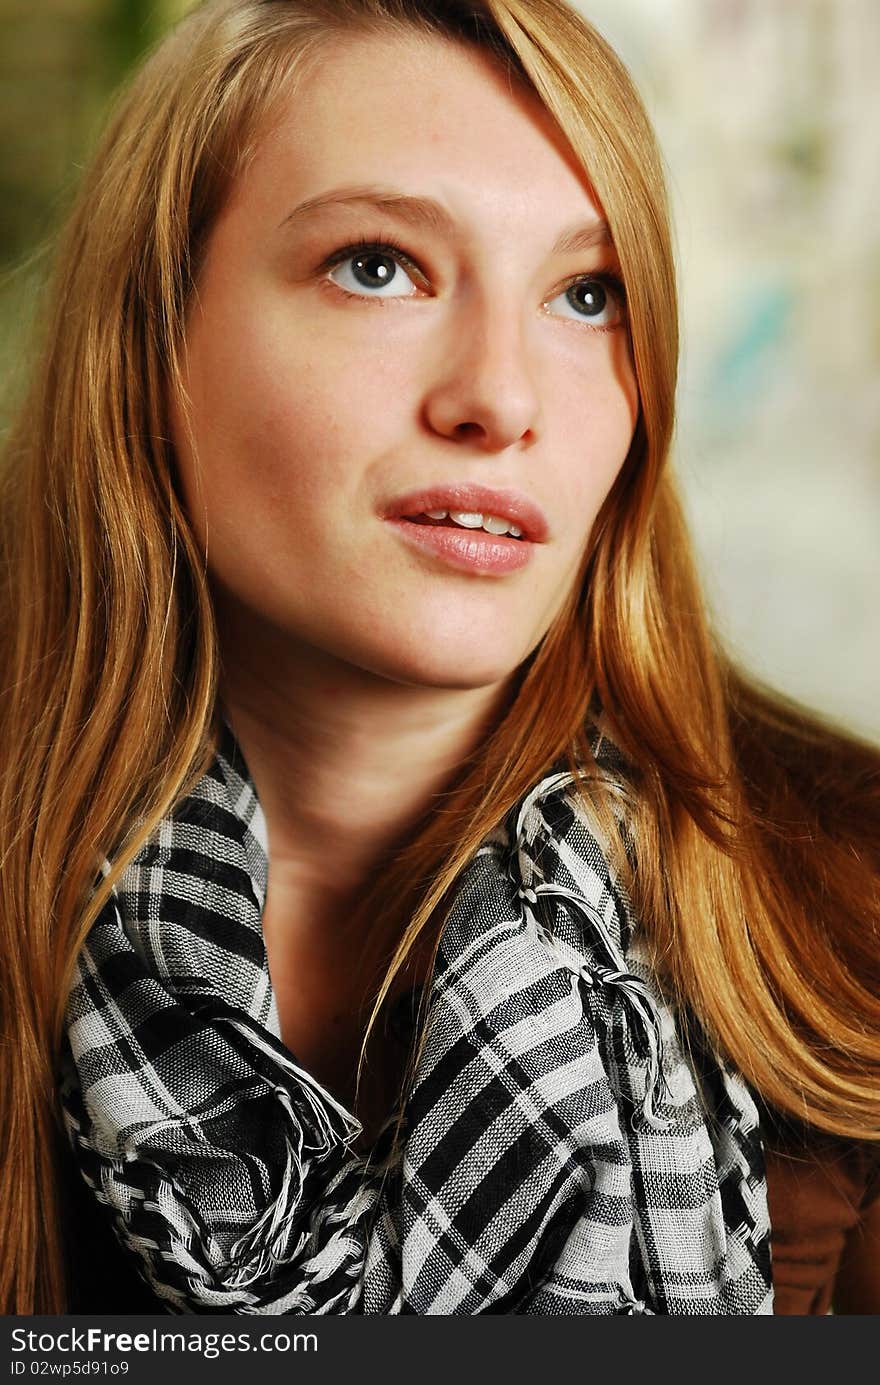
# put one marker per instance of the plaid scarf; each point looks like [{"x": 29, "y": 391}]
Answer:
[{"x": 559, "y": 1153}]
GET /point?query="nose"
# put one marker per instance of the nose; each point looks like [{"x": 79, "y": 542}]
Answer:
[{"x": 484, "y": 392}]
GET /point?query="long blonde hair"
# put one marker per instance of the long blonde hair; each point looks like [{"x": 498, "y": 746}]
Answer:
[{"x": 760, "y": 904}]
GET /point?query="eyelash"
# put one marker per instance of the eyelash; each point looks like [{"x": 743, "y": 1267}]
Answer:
[{"x": 391, "y": 248}]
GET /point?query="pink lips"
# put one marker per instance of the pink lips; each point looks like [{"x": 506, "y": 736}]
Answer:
[{"x": 470, "y": 550}]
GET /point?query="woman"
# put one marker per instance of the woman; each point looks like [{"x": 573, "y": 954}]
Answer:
[{"x": 355, "y": 644}]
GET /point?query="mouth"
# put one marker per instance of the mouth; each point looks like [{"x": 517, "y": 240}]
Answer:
[
  {"x": 481, "y": 510},
  {"x": 474, "y": 529}
]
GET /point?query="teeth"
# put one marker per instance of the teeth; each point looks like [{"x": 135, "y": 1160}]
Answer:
[
  {"x": 469, "y": 519},
  {"x": 493, "y": 524}
]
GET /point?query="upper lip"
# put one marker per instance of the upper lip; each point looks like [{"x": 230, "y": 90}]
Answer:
[{"x": 483, "y": 500}]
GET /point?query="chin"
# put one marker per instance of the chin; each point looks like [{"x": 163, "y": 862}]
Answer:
[
  {"x": 467, "y": 668},
  {"x": 456, "y": 679}
]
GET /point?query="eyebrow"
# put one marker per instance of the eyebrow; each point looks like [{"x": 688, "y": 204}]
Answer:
[{"x": 430, "y": 215}]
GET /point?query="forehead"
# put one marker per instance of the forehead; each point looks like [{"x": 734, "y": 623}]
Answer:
[{"x": 431, "y": 116}]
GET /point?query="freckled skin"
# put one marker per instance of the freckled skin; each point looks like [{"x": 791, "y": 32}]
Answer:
[{"x": 313, "y": 409}]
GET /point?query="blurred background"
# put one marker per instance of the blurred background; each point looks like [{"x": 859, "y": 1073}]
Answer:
[{"x": 768, "y": 112}]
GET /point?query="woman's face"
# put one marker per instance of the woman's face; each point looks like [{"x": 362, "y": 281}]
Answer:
[{"x": 404, "y": 308}]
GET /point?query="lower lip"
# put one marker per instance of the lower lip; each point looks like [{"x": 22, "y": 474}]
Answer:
[{"x": 468, "y": 550}]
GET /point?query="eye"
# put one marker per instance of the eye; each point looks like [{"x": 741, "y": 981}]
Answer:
[
  {"x": 596, "y": 299},
  {"x": 372, "y": 271}
]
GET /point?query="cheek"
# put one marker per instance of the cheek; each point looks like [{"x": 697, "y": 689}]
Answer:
[
  {"x": 256, "y": 417},
  {"x": 282, "y": 415},
  {"x": 601, "y": 421}
]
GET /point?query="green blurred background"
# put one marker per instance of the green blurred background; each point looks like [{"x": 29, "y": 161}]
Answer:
[
  {"x": 769, "y": 114},
  {"x": 60, "y": 62}
]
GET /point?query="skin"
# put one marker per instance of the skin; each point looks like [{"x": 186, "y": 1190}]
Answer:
[{"x": 356, "y": 672}]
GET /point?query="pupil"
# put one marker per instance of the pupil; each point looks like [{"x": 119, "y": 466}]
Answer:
[
  {"x": 589, "y": 296},
  {"x": 374, "y": 270}
]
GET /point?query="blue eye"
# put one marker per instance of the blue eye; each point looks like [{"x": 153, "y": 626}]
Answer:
[
  {"x": 597, "y": 299},
  {"x": 373, "y": 272}
]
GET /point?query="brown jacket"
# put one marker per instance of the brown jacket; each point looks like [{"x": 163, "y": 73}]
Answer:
[{"x": 824, "y": 1201}]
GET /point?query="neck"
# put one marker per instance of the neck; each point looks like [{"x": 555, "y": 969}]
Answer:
[{"x": 345, "y": 762}]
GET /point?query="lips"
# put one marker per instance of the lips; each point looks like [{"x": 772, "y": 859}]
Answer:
[
  {"x": 461, "y": 546},
  {"x": 508, "y": 505}
]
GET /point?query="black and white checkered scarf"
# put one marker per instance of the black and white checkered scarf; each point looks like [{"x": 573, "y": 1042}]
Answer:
[{"x": 560, "y": 1154}]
